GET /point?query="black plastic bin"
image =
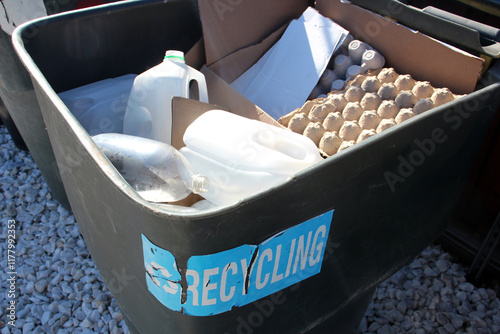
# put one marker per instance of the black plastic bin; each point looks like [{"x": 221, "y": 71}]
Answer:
[
  {"x": 374, "y": 226},
  {"x": 22, "y": 115}
]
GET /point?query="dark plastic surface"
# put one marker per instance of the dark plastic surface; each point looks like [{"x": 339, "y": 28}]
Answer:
[
  {"x": 485, "y": 30},
  {"x": 22, "y": 115},
  {"x": 24, "y": 118},
  {"x": 379, "y": 224},
  {"x": 461, "y": 35},
  {"x": 6, "y": 120}
]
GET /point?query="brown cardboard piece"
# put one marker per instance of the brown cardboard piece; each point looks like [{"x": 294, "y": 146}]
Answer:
[
  {"x": 221, "y": 96},
  {"x": 235, "y": 37},
  {"x": 221, "y": 93},
  {"x": 229, "y": 25},
  {"x": 233, "y": 65},
  {"x": 184, "y": 112},
  {"x": 408, "y": 51},
  {"x": 195, "y": 57}
]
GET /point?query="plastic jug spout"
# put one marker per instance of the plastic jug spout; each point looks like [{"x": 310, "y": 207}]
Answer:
[
  {"x": 199, "y": 184},
  {"x": 174, "y": 55}
]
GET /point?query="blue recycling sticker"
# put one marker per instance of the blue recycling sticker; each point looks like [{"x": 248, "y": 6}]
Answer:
[{"x": 218, "y": 282}]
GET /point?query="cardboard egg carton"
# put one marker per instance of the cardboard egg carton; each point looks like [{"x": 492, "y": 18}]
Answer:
[{"x": 368, "y": 104}]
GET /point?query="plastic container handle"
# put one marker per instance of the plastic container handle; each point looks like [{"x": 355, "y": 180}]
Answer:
[{"x": 202, "y": 84}]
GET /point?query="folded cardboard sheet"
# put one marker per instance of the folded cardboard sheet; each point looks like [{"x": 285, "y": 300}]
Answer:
[
  {"x": 282, "y": 79},
  {"x": 221, "y": 96},
  {"x": 408, "y": 51},
  {"x": 228, "y": 55},
  {"x": 230, "y": 25}
]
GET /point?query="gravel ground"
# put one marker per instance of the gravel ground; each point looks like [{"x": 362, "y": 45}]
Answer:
[{"x": 58, "y": 288}]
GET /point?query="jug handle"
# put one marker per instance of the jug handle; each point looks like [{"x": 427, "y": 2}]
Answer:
[{"x": 202, "y": 84}]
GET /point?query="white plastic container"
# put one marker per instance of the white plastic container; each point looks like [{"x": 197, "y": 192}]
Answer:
[
  {"x": 149, "y": 108},
  {"x": 100, "y": 106},
  {"x": 242, "y": 157}
]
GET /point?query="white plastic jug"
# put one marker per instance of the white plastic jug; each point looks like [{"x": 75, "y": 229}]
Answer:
[
  {"x": 100, "y": 106},
  {"x": 241, "y": 156},
  {"x": 149, "y": 108}
]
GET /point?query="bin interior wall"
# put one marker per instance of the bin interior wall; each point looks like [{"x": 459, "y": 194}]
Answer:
[
  {"x": 91, "y": 47},
  {"x": 376, "y": 228}
]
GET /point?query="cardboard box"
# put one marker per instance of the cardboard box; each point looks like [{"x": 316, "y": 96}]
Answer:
[
  {"x": 223, "y": 57},
  {"x": 408, "y": 51}
]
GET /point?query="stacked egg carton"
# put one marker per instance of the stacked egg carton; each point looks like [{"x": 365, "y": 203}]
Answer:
[
  {"x": 368, "y": 104},
  {"x": 353, "y": 57}
]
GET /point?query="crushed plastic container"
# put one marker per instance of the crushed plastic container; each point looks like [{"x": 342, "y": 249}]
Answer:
[
  {"x": 100, "y": 106},
  {"x": 242, "y": 157},
  {"x": 23, "y": 116}
]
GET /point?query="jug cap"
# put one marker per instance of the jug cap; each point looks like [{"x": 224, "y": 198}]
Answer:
[{"x": 174, "y": 55}]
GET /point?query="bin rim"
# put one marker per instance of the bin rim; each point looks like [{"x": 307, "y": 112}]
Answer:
[{"x": 100, "y": 160}]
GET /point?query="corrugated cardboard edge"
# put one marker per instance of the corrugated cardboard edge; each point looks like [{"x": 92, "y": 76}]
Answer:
[
  {"x": 415, "y": 53},
  {"x": 231, "y": 25},
  {"x": 195, "y": 57},
  {"x": 222, "y": 97},
  {"x": 221, "y": 93},
  {"x": 184, "y": 112},
  {"x": 235, "y": 64}
]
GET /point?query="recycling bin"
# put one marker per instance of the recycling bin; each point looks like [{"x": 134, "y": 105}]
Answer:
[{"x": 304, "y": 255}]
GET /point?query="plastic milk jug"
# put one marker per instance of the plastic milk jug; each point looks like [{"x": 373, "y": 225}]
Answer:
[
  {"x": 241, "y": 156},
  {"x": 149, "y": 108}
]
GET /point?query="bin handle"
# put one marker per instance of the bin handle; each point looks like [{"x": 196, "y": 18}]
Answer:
[
  {"x": 460, "y": 33},
  {"x": 484, "y": 30}
]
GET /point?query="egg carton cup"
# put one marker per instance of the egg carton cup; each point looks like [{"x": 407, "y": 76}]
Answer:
[{"x": 368, "y": 104}]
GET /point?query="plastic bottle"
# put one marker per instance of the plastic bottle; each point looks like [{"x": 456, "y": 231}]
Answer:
[
  {"x": 242, "y": 157},
  {"x": 157, "y": 171},
  {"x": 149, "y": 108}
]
